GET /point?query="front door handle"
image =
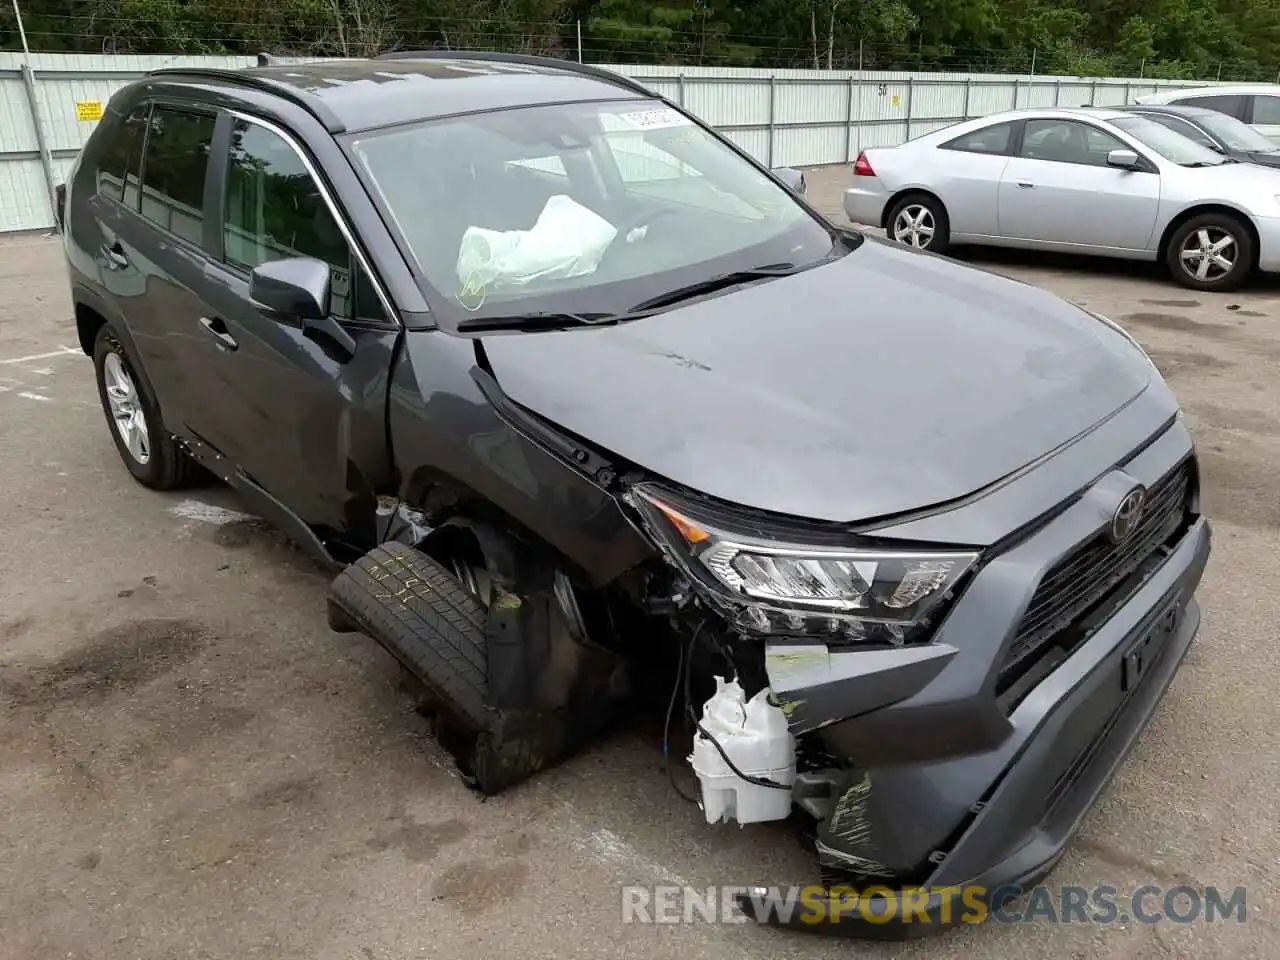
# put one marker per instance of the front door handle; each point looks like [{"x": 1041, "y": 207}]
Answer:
[
  {"x": 114, "y": 255},
  {"x": 1024, "y": 185},
  {"x": 218, "y": 327}
]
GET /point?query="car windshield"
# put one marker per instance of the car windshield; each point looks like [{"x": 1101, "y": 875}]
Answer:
[
  {"x": 589, "y": 208},
  {"x": 1236, "y": 134},
  {"x": 1168, "y": 143}
]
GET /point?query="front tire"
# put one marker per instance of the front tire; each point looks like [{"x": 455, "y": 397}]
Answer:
[
  {"x": 149, "y": 453},
  {"x": 919, "y": 220},
  {"x": 1212, "y": 252}
]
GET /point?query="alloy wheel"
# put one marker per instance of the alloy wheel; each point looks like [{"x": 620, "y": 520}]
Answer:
[
  {"x": 1209, "y": 254},
  {"x": 914, "y": 226},
  {"x": 126, "y": 408}
]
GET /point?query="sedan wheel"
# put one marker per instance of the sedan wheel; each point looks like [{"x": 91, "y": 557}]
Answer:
[
  {"x": 919, "y": 220},
  {"x": 1211, "y": 252},
  {"x": 914, "y": 226},
  {"x": 126, "y": 408}
]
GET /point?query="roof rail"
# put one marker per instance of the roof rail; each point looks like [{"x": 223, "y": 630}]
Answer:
[
  {"x": 569, "y": 66},
  {"x": 313, "y": 105}
]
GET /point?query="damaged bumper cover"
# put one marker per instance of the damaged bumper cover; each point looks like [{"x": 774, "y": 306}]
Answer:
[{"x": 957, "y": 788}]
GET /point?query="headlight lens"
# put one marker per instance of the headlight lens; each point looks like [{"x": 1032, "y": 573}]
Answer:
[{"x": 869, "y": 593}]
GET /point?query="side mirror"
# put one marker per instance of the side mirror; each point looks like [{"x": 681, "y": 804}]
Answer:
[
  {"x": 792, "y": 177},
  {"x": 1125, "y": 159},
  {"x": 291, "y": 290},
  {"x": 295, "y": 291}
]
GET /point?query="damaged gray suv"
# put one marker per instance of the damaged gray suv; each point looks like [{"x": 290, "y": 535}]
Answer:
[{"x": 577, "y": 399}]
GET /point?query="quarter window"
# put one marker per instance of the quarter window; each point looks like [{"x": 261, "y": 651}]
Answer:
[
  {"x": 274, "y": 210},
  {"x": 1067, "y": 141},
  {"x": 122, "y": 156},
  {"x": 994, "y": 139},
  {"x": 173, "y": 171}
]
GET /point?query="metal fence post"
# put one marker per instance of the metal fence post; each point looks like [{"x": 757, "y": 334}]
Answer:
[
  {"x": 968, "y": 87},
  {"x": 46, "y": 159},
  {"x": 1015, "y": 93},
  {"x": 680, "y": 89},
  {"x": 848, "y": 129},
  {"x": 910, "y": 89},
  {"x": 860, "y": 80},
  {"x": 773, "y": 95},
  {"x": 1126, "y": 93},
  {"x": 1057, "y": 92},
  {"x": 1093, "y": 94}
]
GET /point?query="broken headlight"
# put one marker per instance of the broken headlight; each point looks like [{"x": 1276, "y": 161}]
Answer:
[{"x": 866, "y": 593}]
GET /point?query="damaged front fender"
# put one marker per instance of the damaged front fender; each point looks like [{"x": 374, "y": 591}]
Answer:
[{"x": 816, "y": 686}]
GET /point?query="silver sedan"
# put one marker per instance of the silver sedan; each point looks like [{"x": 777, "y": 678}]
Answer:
[{"x": 1085, "y": 180}]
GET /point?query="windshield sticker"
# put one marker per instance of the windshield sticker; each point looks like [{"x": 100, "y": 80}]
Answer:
[
  {"x": 659, "y": 119},
  {"x": 474, "y": 292}
]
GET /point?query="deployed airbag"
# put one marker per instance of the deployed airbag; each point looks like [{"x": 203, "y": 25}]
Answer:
[{"x": 568, "y": 240}]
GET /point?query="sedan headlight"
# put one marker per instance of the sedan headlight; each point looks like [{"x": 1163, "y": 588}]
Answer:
[{"x": 867, "y": 593}]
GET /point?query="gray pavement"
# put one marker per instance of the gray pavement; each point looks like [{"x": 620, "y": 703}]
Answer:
[{"x": 192, "y": 765}]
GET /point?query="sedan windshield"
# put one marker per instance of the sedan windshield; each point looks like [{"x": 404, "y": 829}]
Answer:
[
  {"x": 1236, "y": 134},
  {"x": 1168, "y": 143},
  {"x": 589, "y": 209}
]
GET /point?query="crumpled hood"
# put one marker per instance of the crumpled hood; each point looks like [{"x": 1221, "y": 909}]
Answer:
[{"x": 884, "y": 382}]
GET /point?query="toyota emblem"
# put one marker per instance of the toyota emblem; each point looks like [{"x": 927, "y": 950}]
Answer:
[{"x": 1128, "y": 514}]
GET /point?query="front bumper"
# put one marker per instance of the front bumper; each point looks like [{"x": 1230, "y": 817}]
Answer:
[{"x": 955, "y": 789}]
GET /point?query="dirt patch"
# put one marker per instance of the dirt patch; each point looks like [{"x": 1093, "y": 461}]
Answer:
[
  {"x": 117, "y": 659},
  {"x": 288, "y": 792},
  {"x": 1230, "y": 418},
  {"x": 1238, "y": 490},
  {"x": 473, "y": 887},
  {"x": 1172, "y": 363},
  {"x": 14, "y": 628},
  {"x": 1180, "y": 324},
  {"x": 419, "y": 842}
]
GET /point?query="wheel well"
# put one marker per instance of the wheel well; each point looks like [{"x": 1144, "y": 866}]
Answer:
[
  {"x": 902, "y": 195},
  {"x": 88, "y": 322},
  {"x": 1186, "y": 215}
]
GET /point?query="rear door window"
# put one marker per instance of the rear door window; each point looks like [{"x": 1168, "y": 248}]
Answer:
[
  {"x": 121, "y": 157},
  {"x": 174, "y": 168},
  {"x": 1231, "y": 105},
  {"x": 1266, "y": 110}
]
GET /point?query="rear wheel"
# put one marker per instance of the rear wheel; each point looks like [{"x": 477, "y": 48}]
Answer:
[
  {"x": 919, "y": 220},
  {"x": 148, "y": 451},
  {"x": 1211, "y": 252}
]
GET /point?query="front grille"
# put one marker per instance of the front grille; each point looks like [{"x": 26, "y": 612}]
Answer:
[{"x": 1083, "y": 578}]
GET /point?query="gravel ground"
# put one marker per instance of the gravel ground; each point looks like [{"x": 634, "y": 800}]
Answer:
[{"x": 192, "y": 765}]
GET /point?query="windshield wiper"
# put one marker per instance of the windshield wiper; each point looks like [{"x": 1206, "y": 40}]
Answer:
[{"x": 712, "y": 284}]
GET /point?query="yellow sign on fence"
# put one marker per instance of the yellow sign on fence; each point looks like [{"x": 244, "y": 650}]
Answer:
[{"x": 88, "y": 109}]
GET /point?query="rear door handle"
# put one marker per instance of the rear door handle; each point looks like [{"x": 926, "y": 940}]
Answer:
[
  {"x": 113, "y": 253},
  {"x": 218, "y": 328},
  {"x": 1024, "y": 185}
]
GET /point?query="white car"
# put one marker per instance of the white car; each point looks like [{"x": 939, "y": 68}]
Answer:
[
  {"x": 1083, "y": 180},
  {"x": 1256, "y": 104}
]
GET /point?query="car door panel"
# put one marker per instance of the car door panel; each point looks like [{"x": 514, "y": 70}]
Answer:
[
  {"x": 306, "y": 423},
  {"x": 1068, "y": 203},
  {"x": 970, "y": 193},
  {"x": 1060, "y": 190}
]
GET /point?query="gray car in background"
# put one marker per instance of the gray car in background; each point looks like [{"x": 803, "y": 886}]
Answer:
[{"x": 1083, "y": 180}]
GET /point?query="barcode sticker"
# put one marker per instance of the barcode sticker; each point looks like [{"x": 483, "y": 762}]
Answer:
[{"x": 658, "y": 119}]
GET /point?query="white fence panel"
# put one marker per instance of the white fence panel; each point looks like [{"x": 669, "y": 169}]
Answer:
[{"x": 781, "y": 117}]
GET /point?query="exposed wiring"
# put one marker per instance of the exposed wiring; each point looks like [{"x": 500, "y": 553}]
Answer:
[
  {"x": 666, "y": 731},
  {"x": 693, "y": 714}
]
